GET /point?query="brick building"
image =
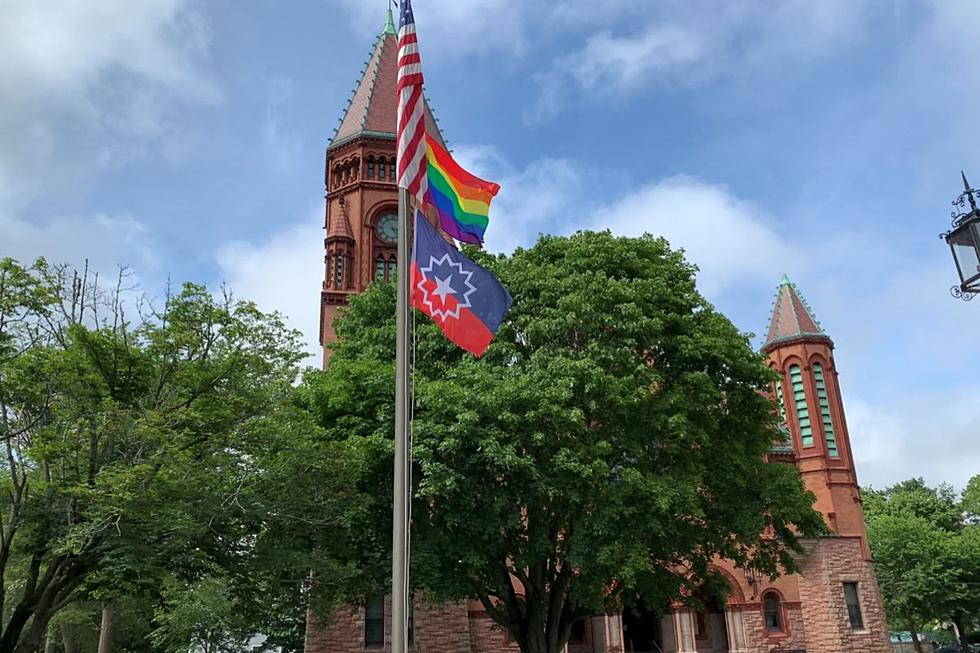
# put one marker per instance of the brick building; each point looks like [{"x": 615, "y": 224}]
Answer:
[{"x": 832, "y": 606}]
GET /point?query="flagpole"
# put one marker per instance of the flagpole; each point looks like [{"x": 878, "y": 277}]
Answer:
[{"x": 403, "y": 455}]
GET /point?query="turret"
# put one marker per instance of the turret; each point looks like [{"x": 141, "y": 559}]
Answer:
[{"x": 810, "y": 399}]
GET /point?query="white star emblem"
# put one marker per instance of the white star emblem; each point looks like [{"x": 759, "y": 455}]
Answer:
[{"x": 444, "y": 286}]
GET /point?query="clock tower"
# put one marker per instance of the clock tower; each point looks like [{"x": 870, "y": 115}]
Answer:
[{"x": 360, "y": 219}]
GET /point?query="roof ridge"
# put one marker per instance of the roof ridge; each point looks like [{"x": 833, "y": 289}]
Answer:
[
  {"x": 357, "y": 87},
  {"x": 374, "y": 77}
]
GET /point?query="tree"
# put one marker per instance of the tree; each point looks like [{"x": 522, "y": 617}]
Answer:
[
  {"x": 938, "y": 506},
  {"x": 126, "y": 442},
  {"x": 611, "y": 442},
  {"x": 971, "y": 500},
  {"x": 912, "y": 569},
  {"x": 962, "y": 604},
  {"x": 927, "y": 553}
]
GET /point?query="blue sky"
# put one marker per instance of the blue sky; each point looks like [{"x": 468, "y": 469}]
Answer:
[{"x": 821, "y": 139}]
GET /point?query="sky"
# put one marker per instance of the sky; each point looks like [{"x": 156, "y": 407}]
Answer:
[{"x": 185, "y": 139}]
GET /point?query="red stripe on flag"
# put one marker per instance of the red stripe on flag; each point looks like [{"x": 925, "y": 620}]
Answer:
[
  {"x": 409, "y": 107},
  {"x": 467, "y": 331}
]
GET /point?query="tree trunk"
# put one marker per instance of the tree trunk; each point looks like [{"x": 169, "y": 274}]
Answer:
[
  {"x": 107, "y": 630},
  {"x": 960, "y": 634},
  {"x": 915, "y": 641},
  {"x": 68, "y": 638},
  {"x": 49, "y": 644}
]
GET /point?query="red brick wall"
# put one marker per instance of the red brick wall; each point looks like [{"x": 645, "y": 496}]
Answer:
[{"x": 486, "y": 637}]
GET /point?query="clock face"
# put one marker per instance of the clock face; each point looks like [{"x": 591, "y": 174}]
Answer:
[{"x": 387, "y": 228}]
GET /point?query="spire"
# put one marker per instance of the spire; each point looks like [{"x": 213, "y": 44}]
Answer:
[
  {"x": 791, "y": 317},
  {"x": 389, "y": 23},
  {"x": 372, "y": 109}
]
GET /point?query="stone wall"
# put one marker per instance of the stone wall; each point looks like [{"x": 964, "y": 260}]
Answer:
[{"x": 832, "y": 561}]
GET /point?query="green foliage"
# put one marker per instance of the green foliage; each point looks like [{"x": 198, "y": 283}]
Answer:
[
  {"x": 609, "y": 444},
  {"x": 938, "y": 505},
  {"x": 926, "y": 546},
  {"x": 202, "y": 615},
  {"x": 971, "y": 500},
  {"x": 130, "y": 446},
  {"x": 911, "y": 566}
]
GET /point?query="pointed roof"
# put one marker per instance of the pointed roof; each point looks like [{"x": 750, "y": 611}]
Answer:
[
  {"x": 791, "y": 317},
  {"x": 373, "y": 108},
  {"x": 339, "y": 226}
]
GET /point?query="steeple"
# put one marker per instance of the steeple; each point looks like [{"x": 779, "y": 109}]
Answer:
[
  {"x": 791, "y": 317},
  {"x": 373, "y": 107}
]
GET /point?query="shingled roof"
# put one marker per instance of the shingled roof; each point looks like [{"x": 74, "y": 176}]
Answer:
[
  {"x": 373, "y": 108},
  {"x": 791, "y": 317}
]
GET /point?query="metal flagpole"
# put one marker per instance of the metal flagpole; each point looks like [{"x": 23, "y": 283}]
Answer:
[{"x": 403, "y": 455}]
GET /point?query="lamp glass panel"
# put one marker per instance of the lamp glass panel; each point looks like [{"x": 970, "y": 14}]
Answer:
[{"x": 963, "y": 242}]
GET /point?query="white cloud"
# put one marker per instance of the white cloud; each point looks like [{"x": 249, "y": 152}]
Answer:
[
  {"x": 454, "y": 26},
  {"x": 104, "y": 242},
  {"x": 82, "y": 83},
  {"x": 692, "y": 43},
  {"x": 284, "y": 273},
  {"x": 914, "y": 435},
  {"x": 730, "y": 239}
]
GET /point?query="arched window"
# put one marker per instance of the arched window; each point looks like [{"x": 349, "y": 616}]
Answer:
[
  {"x": 391, "y": 169},
  {"x": 392, "y": 265},
  {"x": 771, "y": 609},
  {"x": 828, "y": 424},
  {"x": 370, "y": 167},
  {"x": 802, "y": 412},
  {"x": 379, "y": 268},
  {"x": 381, "y": 168}
]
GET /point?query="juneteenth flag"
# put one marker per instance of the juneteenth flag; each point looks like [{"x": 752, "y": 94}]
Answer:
[
  {"x": 461, "y": 200},
  {"x": 462, "y": 298}
]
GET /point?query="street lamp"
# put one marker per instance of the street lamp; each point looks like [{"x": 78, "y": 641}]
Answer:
[{"x": 964, "y": 242}]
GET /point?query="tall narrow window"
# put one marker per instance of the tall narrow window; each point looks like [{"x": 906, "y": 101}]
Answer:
[
  {"x": 381, "y": 168},
  {"x": 374, "y": 623},
  {"x": 338, "y": 274},
  {"x": 779, "y": 401},
  {"x": 828, "y": 424},
  {"x": 391, "y": 169},
  {"x": 770, "y": 607},
  {"x": 370, "y": 167},
  {"x": 802, "y": 412},
  {"x": 853, "y": 605},
  {"x": 392, "y": 268},
  {"x": 379, "y": 268}
]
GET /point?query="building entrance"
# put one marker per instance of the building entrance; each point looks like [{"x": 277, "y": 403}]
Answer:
[{"x": 641, "y": 631}]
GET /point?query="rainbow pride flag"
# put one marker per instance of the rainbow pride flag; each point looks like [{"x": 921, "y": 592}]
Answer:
[{"x": 462, "y": 200}]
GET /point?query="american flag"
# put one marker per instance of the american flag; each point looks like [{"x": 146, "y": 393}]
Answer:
[{"x": 411, "y": 107}]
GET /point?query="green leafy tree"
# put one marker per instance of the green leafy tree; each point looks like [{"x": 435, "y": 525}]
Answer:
[
  {"x": 927, "y": 553},
  {"x": 971, "y": 500},
  {"x": 939, "y": 506},
  {"x": 913, "y": 570},
  {"x": 962, "y": 604},
  {"x": 610, "y": 443},
  {"x": 126, "y": 443}
]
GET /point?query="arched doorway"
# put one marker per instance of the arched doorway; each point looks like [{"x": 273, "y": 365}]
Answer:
[
  {"x": 710, "y": 626},
  {"x": 642, "y": 630}
]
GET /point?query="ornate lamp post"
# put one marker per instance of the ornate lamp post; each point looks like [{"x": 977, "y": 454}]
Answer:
[{"x": 964, "y": 242}]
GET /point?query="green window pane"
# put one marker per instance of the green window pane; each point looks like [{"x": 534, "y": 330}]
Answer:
[
  {"x": 828, "y": 423},
  {"x": 802, "y": 411}
]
